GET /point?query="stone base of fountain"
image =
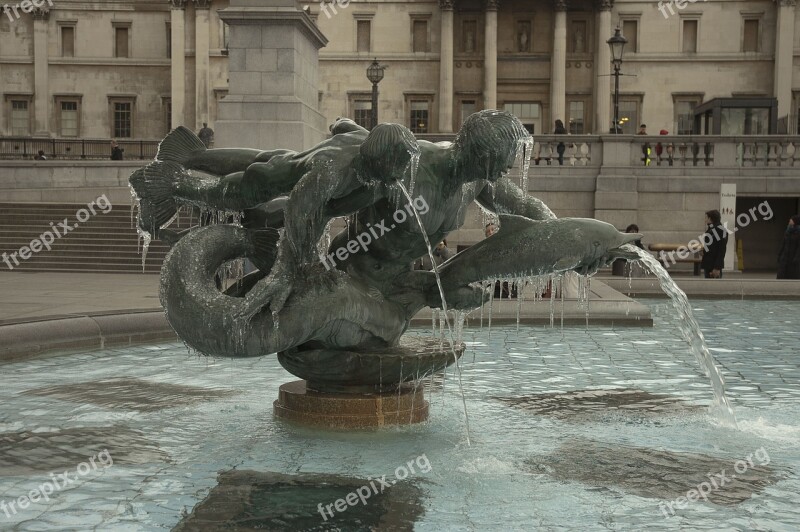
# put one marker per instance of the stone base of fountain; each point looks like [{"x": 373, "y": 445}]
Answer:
[
  {"x": 344, "y": 389},
  {"x": 404, "y": 406}
]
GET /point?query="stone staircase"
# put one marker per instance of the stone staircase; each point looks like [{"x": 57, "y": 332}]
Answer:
[{"x": 105, "y": 243}]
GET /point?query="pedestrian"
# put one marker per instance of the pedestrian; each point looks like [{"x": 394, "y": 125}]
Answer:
[
  {"x": 561, "y": 148},
  {"x": 667, "y": 148},
  {"x": 633, "y": 228},
  {"x": 646, "y": 146},
  {"x": 489, "y": 230},
  {"x": 789, "y": 255},
  {"x": 116, "y": 151},
  {"x": 441, "y": 253},
  {"x": 714, "y": 253},
  {"x": 40, "y": 156},
  {"x": 206, "y": 134}
]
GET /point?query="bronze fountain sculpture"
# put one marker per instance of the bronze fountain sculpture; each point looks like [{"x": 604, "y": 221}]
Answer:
[{"x": 336, "y": 318}]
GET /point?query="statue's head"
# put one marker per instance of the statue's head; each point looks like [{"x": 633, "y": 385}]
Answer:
[
  {"x": 387, "y": 152},
  {"x": 488, "y": 142},
  {"x": 344, "y": 125}
]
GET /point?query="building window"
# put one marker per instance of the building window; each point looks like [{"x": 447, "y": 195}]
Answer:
[
  {"x": 68, "y": 117},
  {"x": 121, "y": 41},
  {"x": 67, "y": 41},
  {"x": 468, "y": 107},
  {"x": 419, "y": 116},
  {"x": 751, "y": 39},
  {"x": 225, "y": 37},
  {"x": 689, "y": 44},
  {"x": 523, "y": 36},
  {"x": 469, "y": 36},
  {"x": 20, "y": 117},
  {"x": 684, "y": 114},
  {"x": 629, "y": 115},
  {"x": 363, "y": 35},
  {"x": 419, "y": 35},
  {"x": 169, "y": 40},
  {"x": 578, "y": 37},
  {"x": 630, "y": 30},
  {"x": 577, "y": 117},
  {"x": 529, "y": 113},
  {"x": 362, "y": 111},
  {"x": 121, "y": 118}
]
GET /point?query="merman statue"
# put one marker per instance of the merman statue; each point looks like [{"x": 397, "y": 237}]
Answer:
[{"x": 304, "y": 297}]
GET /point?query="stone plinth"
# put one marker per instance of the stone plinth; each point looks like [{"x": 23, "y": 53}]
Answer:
[
  {"x": 273, "y": 77},
  {"x": 350, "y": 410}
]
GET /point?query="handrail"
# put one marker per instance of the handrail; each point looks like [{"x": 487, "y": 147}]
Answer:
[{"x": 75, "y": 149}]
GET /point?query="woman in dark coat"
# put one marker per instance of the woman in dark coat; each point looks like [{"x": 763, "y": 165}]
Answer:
[
  {"x": 561, "y": 148},
  {"x": 714, "y": 256},
  {"x": 789, "y": 256}
]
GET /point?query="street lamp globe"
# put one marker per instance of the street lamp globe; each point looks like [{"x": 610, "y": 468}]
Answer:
[
  {"x": 375, "y": 72},
  {"x": 617, "y": 44}
]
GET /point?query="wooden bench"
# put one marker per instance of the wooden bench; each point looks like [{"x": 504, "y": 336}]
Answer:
[{"x": 662, "y": 249}]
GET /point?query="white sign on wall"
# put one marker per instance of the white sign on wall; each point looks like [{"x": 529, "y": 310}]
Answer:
[{"x": 727, "y": 207}]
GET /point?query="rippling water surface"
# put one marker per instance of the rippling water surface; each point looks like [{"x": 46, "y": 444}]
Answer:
[{"x": 575, "y": 429}]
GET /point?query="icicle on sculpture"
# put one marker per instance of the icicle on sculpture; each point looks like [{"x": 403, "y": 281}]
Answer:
[{"x": 336, "y": 317}]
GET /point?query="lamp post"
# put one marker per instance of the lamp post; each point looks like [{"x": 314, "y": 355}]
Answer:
[
  {"x": 375, "y": 75},
  {"x": 617, "y": 44}
]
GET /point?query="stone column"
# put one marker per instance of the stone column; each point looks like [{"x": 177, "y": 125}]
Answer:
[
  {"x": 490, "y": 56},
  {"x": 446, "y": 68},
  {"x": 558, "y": 63},
  {"x": 273, "y": 62},
  {"x": 784, "y": 52},
  {"x": 201, "y": 61},
  {"x": 602, "y": 86},
  {"x": 41, "y": 83},
  {"x": 178, "y": 63}
]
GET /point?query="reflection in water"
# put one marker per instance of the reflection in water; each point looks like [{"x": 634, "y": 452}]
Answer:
[
  {"x": 132, "y": 394},
  {"x": 581, "y": 404},
  {"x": 26, "y": 452},
  {"x": 652, "y": 473},
  {"x": 252, "y": 500}
]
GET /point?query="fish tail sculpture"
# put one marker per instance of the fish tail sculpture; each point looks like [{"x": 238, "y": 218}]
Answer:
[{"x": 156, "y": 184}]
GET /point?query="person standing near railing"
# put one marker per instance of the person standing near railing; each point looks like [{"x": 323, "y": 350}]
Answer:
[
  {"x": 40, "y": 156},
  {"x": 645, "y": 146},
  {"x": 206, "y": 134},
  {"x": 116, "y": 151},
  {"x": 561, "y": 148},
  {"x": 661, "y": 148}
]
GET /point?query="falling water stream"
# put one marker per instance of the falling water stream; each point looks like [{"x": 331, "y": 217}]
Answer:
[
  {"x": 444, "y": 305},
  {"x": 691, "y": 332}
]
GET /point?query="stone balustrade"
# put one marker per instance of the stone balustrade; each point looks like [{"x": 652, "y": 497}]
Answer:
[{"x": 755, "y": 151}]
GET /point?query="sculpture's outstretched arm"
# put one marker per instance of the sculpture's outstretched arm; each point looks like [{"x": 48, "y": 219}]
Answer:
[{"x": 505, "y": 197}]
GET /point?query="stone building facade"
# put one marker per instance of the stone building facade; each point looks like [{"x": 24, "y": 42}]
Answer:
[{"x": 134, "y": 69}]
